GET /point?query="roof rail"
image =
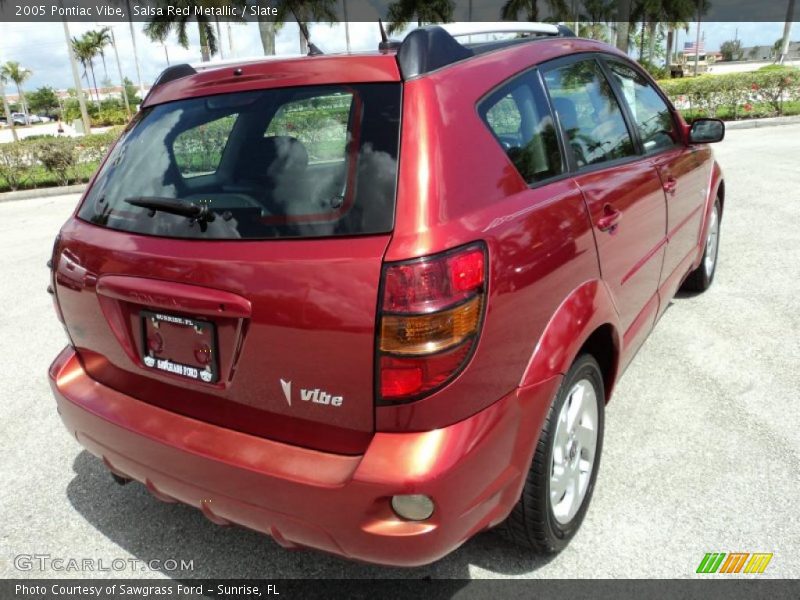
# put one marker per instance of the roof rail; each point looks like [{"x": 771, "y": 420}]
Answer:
[
  {"x": 435, "y": 46},
  {"x": 466, "y": 29}
]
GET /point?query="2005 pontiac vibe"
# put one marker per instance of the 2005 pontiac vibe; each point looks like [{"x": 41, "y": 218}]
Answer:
[{"x": 375, "y": 304}]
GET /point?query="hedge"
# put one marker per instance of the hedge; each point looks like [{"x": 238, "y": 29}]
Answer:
[
  {"x": 736, "y": 93},
  {"x": 45, "y": 161}
]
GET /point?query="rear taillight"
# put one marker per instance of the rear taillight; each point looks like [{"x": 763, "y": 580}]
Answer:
[{"x": 431, "y": 314}]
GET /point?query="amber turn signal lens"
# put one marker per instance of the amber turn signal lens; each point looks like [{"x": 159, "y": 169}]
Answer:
[{"x": 425, "y": 334}]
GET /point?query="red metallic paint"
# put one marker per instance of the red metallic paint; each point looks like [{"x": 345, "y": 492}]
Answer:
[
  {"x": 241, "y": 454},
  {"x": 308, "y": 299},
  {"x": 473, "y": 470}
]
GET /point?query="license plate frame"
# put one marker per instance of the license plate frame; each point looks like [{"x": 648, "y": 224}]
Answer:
[{"x": 173, "y": 331}]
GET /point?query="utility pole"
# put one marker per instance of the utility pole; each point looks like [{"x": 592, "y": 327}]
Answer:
[
  {"x": 87, "y": 125},
  {"x": 121, "y": 78},
  {"x": 230, "y": 40},
  {"x": 135, "y": 54}
]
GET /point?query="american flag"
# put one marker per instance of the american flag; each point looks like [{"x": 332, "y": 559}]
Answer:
[{"x": 691, "y": 48}]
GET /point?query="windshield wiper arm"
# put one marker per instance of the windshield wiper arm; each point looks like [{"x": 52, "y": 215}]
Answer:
[{"x": 175, "y": 206}]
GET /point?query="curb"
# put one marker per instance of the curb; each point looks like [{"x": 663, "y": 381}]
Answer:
[
  {"x": 42, "y": 192},
  {"x": 767, "y": 122}
]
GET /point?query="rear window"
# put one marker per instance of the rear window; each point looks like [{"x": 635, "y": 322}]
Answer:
[{"x": 294, "y": 162}]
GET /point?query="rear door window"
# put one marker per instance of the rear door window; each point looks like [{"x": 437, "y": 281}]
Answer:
[
  {"x": 518, "y": 116},
  {"x": 650, "y": 113},
  {"x": 292, "y": 162},
  {"x": 590, "y": 116}
]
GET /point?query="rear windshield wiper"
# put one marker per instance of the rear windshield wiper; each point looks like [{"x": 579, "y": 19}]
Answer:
[{"x": 202, "y": 214}]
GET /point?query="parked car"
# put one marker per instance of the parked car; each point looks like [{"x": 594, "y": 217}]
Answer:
[{"x": 375, "y": 304}]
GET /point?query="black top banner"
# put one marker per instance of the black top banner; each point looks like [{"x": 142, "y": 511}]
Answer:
[{"x": 371, "y": 10}]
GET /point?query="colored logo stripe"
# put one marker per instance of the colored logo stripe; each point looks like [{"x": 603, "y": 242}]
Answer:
[
  {"x": 711, "y": 562},
  {"x": 734, "y": 563},
  {"x": 758, "y": 563}
]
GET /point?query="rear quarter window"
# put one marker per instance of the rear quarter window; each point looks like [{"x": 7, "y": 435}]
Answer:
[{"x": 518, "y": 116}]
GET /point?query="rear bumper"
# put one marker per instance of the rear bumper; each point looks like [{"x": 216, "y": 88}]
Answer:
[{"x": 473, "y": 470}]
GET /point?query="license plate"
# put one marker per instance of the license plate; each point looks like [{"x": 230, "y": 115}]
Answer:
[{"x": 179, "y": 345}]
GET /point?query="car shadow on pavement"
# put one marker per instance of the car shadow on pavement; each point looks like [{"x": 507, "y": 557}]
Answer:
[{"x": 151, "y": 530}]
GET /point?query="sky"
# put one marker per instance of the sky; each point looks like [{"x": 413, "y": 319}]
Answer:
[{"x": 41, "y": 47}]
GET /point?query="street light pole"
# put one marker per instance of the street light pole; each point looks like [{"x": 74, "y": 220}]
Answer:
[{"x": 87, "y": 125}]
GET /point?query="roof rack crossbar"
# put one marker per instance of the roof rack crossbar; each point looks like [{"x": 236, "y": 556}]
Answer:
[
  {"x": 500, "y": 28},
  {"x": 435, "y": 46}
]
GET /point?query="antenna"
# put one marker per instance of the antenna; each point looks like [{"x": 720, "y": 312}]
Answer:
[
  {"x": 386, "y": 44},
  {"x": 313, "y": 50},
  {"x": 384, "y": 37}
]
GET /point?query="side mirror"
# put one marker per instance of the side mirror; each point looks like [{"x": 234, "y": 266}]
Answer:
[{"x": 706, "y": 131}]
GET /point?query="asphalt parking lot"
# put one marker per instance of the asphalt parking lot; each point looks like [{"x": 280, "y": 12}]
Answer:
[{"x": 702, "y": 446}]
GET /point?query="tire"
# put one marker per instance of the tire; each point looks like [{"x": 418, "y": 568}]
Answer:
[
  {"x": 540, "y": 521},
  {"x": 702, "y": 277}
]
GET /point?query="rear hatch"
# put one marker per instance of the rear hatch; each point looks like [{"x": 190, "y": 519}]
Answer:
[{"x": 225, "y": 263}]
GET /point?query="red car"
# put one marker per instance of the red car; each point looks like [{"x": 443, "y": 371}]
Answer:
[{"x": 375, "y": 304}]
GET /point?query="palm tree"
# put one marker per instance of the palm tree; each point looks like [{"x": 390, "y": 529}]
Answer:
[
  {"x": 6, "y": 109},
  {"x": 623, "y": 25},
  {"x": 598, "y": 14},
  {"x": 305, "y": 11},
  {"x": 268, "y": 29},
  {"x": 85, "y": 51},
  {"x": 13, "y": 71},
  {"x": 512, "y": 8},
  {"x": 100, "y": 39},
  {"x": 161, "y": 26},
  {"x": 787, "y": 31},
  {"x": 161, "y": 36},
  {"x": 402, "y": 12}
]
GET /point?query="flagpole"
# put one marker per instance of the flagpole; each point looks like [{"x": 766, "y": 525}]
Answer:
[{"x": 697, "y": 45}]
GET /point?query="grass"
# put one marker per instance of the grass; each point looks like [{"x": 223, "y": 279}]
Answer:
[{"x": 38, "y": 177}]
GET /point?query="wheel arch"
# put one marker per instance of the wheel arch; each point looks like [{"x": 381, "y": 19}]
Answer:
[{"x": 586, "y": 321}]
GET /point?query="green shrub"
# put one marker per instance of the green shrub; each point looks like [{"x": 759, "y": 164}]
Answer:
[
  {"x": 58, "y": 156},
  {"x": 16, "y": 160},
  {"x": 735, "y": 93},
  {"x": 92, "y": 148},
  {"x": 654, "y": 70}
]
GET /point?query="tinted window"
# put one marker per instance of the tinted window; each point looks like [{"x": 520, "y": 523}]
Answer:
[
  {"x": 320, "y": 123},
  {"x": 650, "y": 113},
  {"x": 291, "y": 162},
  {"x": 198, "y": 150},
  {"x": 518, "y": 116},
  {"x": 589, "y": 113}
]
